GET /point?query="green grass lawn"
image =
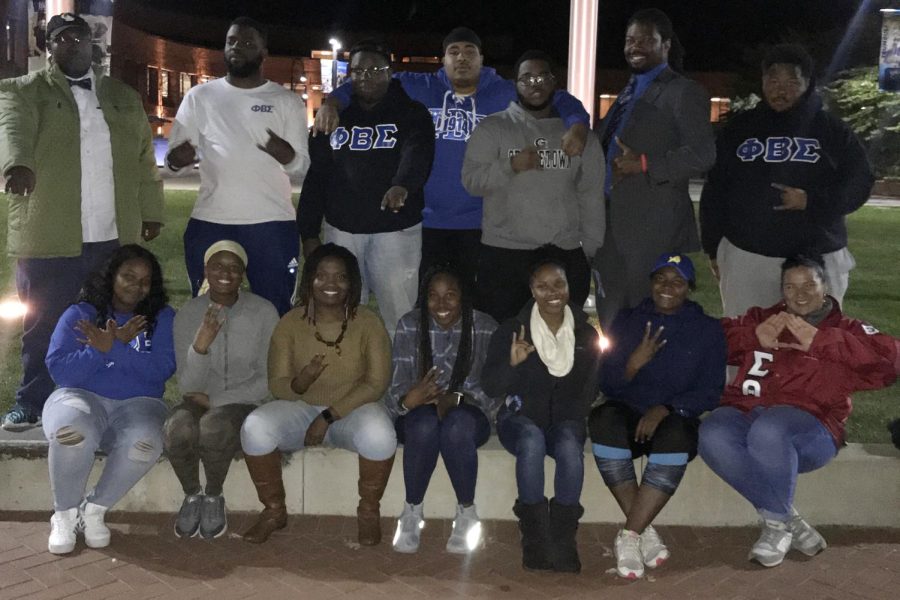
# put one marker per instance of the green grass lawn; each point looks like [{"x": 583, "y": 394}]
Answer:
[{"x": 874, "y": 296}]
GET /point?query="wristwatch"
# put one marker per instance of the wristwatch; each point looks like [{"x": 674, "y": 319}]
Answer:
[{"x": 328, "y": 416}]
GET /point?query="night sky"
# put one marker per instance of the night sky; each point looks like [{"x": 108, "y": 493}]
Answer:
[{"x": 717, "y": 34}]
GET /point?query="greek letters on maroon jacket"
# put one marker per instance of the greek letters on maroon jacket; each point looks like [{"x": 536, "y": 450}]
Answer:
[
  {"x": 804, "y": 147},
  {"x": 373, "y": 150},
  {"x": 846, "y": 355}
]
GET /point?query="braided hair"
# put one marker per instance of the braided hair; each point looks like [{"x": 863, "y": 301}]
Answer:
[{"x": 463, "y": 363}]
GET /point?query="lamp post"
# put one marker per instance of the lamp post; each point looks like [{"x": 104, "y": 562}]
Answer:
[{"x": 335, "y": 46}]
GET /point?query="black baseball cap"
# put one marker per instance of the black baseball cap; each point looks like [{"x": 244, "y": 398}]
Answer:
[{"x": 61, "y": 22}]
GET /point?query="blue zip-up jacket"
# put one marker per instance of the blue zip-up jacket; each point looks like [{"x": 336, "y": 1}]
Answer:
[
  {"x": 447, "y": 203},
  {"x": 688, "y": 372},
  {"x": 139, "y": 368}
]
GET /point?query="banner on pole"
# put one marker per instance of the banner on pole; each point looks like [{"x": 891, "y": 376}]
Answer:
[{"x": 889, "y": 61}]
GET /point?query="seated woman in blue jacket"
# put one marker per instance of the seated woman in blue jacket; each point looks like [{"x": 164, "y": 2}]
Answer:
[
  {"x": 110, "y": 355},
  {"x": 545, "y": 362},
  {"x": 665, "y": 366}
]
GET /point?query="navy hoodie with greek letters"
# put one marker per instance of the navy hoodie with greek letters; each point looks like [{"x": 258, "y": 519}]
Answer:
[
  {"x": 804, "y": 147},
  {"x": 372, "y": 150}
]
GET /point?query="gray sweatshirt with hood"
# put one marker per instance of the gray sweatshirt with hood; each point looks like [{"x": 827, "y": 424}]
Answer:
[{"x": 561, "y": 203}]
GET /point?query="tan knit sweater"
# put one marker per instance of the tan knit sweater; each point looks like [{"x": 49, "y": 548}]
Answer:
[{"x": 361, "y": 373}]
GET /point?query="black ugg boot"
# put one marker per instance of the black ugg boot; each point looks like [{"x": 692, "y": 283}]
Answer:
[
  {"x": 563, "y": 548},
  {"x": 534, "y": 523}
]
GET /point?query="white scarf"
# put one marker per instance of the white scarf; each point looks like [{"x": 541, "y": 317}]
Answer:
[{"x": 556, "y": 351}]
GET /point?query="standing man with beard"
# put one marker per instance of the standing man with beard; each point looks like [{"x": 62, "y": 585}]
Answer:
[
  {"x": 459, "y": 96},
  {"x": 786, "y": 175},
  {"x": 251, "y": 137},
  {"x": 366, "y": 180},
  {"x": 535, "y": 195},
  {"x": 76, "y": 152},
  {"x": 655, "y": 137}
]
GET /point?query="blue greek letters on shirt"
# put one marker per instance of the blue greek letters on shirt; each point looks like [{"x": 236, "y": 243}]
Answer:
[
  {"x": 454, "y": 124},
  {"x": 380, "y": 137},
  {"x": 265, "y": 108},
  {"x": 780, "y": 149}
]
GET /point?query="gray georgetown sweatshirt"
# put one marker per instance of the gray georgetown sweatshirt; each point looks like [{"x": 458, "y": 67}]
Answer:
[
  {"x": 561, "y": 203},
  {"x": 234, "y": 368}
]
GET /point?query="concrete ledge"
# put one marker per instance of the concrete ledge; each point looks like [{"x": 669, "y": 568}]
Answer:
[{"x": 861, "y": 487}]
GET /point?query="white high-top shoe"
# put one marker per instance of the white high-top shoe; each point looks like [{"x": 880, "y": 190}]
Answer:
[
  {"x": 96, "y": 533},
  {"x": 409, "y": 528},
  {"x": 62, "y": 531},
  {"x": 466, "y": 535}
]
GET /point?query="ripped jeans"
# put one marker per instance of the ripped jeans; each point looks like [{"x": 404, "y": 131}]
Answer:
[{"x": 78, "y": 423}]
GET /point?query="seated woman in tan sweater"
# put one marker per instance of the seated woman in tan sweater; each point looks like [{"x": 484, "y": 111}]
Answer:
[{"x": 329, "y": 364}]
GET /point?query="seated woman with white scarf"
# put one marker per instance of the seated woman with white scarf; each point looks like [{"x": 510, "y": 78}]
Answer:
[{"x": 545, "y": 361}]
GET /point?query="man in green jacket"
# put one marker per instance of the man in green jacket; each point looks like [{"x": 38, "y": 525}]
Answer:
[{"x": 81, "y": 178}]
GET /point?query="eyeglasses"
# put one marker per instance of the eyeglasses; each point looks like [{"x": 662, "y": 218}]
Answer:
[
  {"x": 536, "y": 80},
  {"x": 370, "y": 72}
]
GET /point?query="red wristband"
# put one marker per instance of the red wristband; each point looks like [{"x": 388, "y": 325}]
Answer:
[{"x": 643, "y": 163}]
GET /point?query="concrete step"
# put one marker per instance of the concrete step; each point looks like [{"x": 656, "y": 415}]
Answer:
[{"x": 861, "y": 487}]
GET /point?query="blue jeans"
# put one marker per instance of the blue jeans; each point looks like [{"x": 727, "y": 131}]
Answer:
[
  {"x": 48, "y": 286},
  {"x": 389, "y": 263},
  {"x": 456, "y": 438},
  {"x": 78, "y": 423},
  {"x": 564, "y": 442},
  {"x": 282, "y": 424},
  {"x": 760, "y": 453},
  {"x": 272, "y": 254}
]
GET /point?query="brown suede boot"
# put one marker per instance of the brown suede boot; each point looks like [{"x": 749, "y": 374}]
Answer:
[
  {"x": 265, "y": 471},
  {"x": 373, "y": 478}
]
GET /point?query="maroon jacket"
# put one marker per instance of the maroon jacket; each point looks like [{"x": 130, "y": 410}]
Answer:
[{"x": 846, "y": 355}]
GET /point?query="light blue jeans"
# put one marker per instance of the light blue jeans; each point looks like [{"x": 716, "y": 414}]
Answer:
[
  {"x": 389, "y": 263},
  {"x": 760, "y": 453},
  {"x": 282, "y": 424},
  {"x": 78, "y": 423}
]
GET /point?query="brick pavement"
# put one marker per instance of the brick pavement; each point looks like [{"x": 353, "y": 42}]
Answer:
[{"x": 316, "y": 557}]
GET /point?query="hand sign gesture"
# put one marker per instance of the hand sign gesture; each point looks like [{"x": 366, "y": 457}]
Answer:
[
  {"x": 425, "y": 391},
  {"x": 309, "y": 374},
  {"x": 278, "y": 148},
  {"x": 101, "y": 339},
  {"x": 645, "y": 351},
  {"x": 209, "y": 328},
  {"x": 803, "y": 331},
  {"x": 768, "y": 331},
  {"x": 520, "y": 348},
  {"x": 131, "y": 328},
  {"x": 627, "y": 163}
]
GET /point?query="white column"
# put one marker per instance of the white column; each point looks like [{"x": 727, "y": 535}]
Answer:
[
  {"x": 583, "y": 52},
  {"x": 57, "y": 7}
]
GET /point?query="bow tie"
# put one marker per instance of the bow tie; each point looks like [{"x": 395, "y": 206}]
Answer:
[{"x": 82, "y": 83}]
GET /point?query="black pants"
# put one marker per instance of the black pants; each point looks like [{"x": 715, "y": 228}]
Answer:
[
  {"x": 614, "y": 423},
  {"x": 502, "y": 279},
  {"x": 458, "y": 247}
]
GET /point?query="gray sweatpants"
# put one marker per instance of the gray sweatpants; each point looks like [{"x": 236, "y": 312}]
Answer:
[
  {"x": 78, "y": 423},
  {"x": 747, "y": 279}
]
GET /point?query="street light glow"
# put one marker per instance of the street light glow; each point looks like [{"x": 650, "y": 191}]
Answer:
[{"x": 12, "y": 308}]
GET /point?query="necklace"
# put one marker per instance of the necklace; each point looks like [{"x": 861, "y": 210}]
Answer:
[{"x": 336, "y": 344}]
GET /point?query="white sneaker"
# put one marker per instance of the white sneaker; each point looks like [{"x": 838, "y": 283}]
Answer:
[
  {"x": 62, "y": 531},
  {"x": 96, "y": 533},
  {"x": 804, "y": 536},
  {"x": 466, "y": 534},
  {"x": 629, "y": 562},
  {"x": 653, "y": 550},
  {"x": 773, "y": 543},
  {"x": 409, "y": 528}
]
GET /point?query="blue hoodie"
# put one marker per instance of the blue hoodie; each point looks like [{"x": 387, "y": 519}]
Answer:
[
  {"x": 447, "y": 204},
  {"x": 687, "y": 374},
  {"x": 139, "y": 368}
]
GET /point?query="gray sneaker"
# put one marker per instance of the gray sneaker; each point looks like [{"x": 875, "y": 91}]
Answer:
[
  {"x": 188, "y": 522},
  {"x": 773, "y": 543},
  {"x": 213, "y": 521},
  {"x": 804, "y": 536}
]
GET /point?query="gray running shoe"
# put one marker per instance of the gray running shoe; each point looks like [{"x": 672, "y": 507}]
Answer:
[
  {"x": 805, "y": 538},
  {"x": 773, "y": 543},
  {"x": 213, "y": 521},
  {"x": 188, "y": 522}
]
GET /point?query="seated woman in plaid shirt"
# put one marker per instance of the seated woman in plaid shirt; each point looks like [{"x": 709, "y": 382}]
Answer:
[{"x": 438, "y": 403}]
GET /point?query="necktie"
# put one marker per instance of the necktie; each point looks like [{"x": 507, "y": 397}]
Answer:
[
  {"x": 82, "y": 83},
  {"x": 618, "y": 112}
]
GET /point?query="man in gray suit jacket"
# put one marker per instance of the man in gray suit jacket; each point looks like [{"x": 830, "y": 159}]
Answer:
[{"x": 655, "y": 137}]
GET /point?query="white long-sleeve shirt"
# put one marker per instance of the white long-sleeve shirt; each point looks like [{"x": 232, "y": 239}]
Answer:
[{"x": 239, "y": 183}]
